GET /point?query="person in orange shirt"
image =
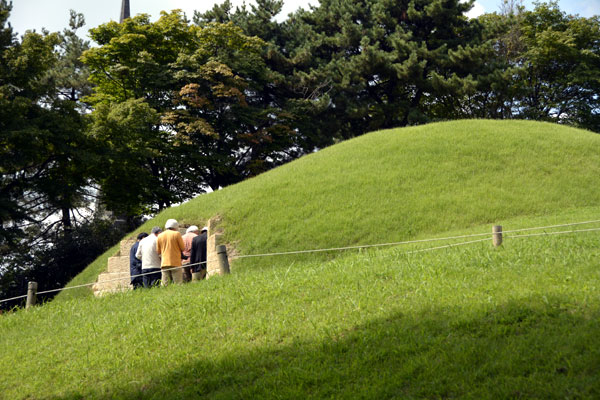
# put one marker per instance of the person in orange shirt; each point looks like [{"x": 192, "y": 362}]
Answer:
[{"x": 169, "y": 245}]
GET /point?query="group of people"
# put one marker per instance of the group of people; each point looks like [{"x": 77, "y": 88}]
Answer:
[{"x": 167, "y": 256}]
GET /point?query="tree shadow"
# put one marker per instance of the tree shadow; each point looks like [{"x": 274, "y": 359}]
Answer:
[{"x": 531, "y": 348}]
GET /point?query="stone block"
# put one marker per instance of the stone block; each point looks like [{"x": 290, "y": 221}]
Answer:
[
  {"x": 126, "y": 246},
  {"x": 212, "y": 261},
  {"x": 111, "y": 282},
  {"x": 118, "y": 264}
]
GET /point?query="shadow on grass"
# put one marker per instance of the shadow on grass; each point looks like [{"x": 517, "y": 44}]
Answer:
[{"x": 534, "y": 348}]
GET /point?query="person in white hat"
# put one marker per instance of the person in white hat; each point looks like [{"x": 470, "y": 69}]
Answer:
[
  {"x": 190, "y": 234},
  {"x": 169, "y": 245}
]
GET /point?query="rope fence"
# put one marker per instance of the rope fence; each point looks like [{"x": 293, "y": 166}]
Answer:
[
  {"x": 553, "y": 233},
  {"x": 379, "y": 245}
]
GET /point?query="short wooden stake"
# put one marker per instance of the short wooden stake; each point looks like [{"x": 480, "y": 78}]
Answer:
[
  {"x": 223, "y": 261},
  {"x": 497, "y": 235},
  {"x": 31, "y": 294}
]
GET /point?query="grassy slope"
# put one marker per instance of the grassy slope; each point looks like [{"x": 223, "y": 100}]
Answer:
[
  {"x": 469, "y": 322},
  {"x": 399, "y": 184}
]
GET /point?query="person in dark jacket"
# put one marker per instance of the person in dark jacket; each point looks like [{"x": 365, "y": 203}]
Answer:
[
  {"x": 198, "y": 255},
  {"x": 135, "y": 264}
]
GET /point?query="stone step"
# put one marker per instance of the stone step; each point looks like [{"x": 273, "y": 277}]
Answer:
[
  {"x": 112, "y": 281},
  {"x": 107, "y": 278},
  {"x": 100, "y": 293},
  {"x": 125, "y": 247},
  {"x": 118, "y": 264}
]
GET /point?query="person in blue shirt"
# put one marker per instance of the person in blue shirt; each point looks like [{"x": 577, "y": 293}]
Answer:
[{"x": 135, "y": 264}]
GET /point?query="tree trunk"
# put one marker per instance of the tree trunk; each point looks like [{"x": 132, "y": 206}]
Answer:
[{"x": 66, "y": 221}]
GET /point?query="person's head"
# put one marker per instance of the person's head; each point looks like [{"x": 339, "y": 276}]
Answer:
[
  {"x": 141, "y": 236},
  {"x": 204, "y": 230},
  {"x": 156, "y": 230},
  {"x": 193, "y": 229},
  {"x": 172, "y": 224}
]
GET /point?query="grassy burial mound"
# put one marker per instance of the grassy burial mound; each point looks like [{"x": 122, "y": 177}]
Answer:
[
  {"x": 466, "y": 322},
  {"x": 401, "y": 184}
]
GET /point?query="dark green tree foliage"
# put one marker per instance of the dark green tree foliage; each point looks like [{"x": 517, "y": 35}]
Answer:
[
  {"x": 386, "y": 63},
  {"x": 492, "y": 64},
  {"x": 69, "y": 75},
  {"x": 559, "y": 76},
  {"x": 182, "y": 108},
  {"x": 306, "y": 107},
  {"x": 46, "y": 160},
  {"x": 54, "y": 266},
  {"x": 144, "y": 168},
  {"x": 233, "y": 130},
  {"x": 541, "y": 65},
  {"x": 43, "y": 146}
]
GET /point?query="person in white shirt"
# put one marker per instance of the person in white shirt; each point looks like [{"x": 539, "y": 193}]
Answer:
[{"x": 150, "y": 258}]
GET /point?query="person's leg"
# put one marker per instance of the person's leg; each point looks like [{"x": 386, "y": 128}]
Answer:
[
  {"x": 166, "y": 275},
  {"x": 137, "y": 282},
  {"x": 155, "y": 277},
  {"x": 177, "y": 275},
  {"x": 200, "y": 275},
  {"x": 187, "y": 274},
  {"x": 147, "y": 278}
]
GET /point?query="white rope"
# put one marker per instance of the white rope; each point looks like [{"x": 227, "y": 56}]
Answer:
[
  {"x": 447, "y": 246},
  {"x": 551, "y": 226},
  {"x": 13, "y": 298},
  {"x": 362, "y": 246},
  {"x": 355, "y": 248},
  {"x": 552, "y": 233},
  {"x": 403, "y": 242},
  {"x": 121, "y": 279}
]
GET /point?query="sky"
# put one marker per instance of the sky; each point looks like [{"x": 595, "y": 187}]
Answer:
[{"x": 54, "y": 14}]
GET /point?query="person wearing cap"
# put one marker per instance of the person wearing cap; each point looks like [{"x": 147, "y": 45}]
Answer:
[
  {"x": 169, "y": 245},
  {"x": 190, "y": 234},
  {"x": 135, "y": 264},
  {"x": 198, "y": 255},
  {"x": 150, "y": 258}
]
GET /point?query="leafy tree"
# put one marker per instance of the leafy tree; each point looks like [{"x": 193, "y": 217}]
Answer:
[
  {"x": 493, "y": 65},
  {"x": 44, "y": 163},
  {"x": 144, "y": 169},
  {"x": 221, "y": 113},
  {"x": 306, "y": 107},
  {"x": 46, "y": 157},
  {"x": 181, "y": 108},
  {"x": 560, "y": 67},
  {"x": 389, "y": 62},
  {"x": 54, "y": 266},
  {"x": 540, "y": 64},
  {"x": 69, "y": 75}
]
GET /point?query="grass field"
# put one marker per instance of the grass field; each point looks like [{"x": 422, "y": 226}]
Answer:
[
  {"x": 519, "y": 321},
  {"x": 468, "y": 322}
]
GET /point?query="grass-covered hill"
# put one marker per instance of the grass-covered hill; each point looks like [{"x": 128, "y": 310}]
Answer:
[
  {"x": 400, "y": 184},
  {"x": 520, "y": 321}
]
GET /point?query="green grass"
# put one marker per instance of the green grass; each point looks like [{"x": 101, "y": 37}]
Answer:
[
  {"x": 520, "y": 321},
  {"x": 467, "y": 322}
]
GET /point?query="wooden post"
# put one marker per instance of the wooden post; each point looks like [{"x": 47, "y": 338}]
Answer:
[
  {"x": 497, "y": 235},
  {"x": 223, "y": 261},
  {"x": 31, "y": 294}
]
